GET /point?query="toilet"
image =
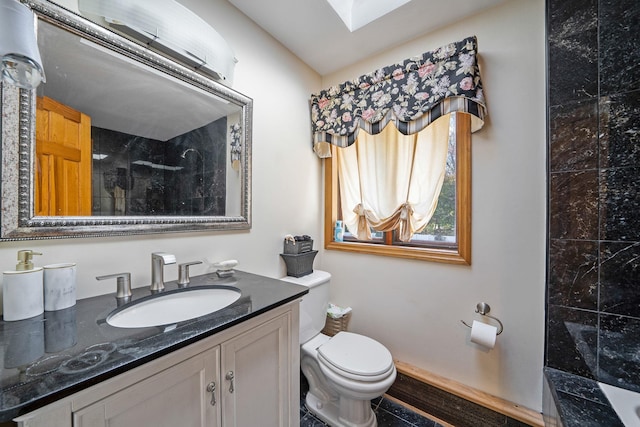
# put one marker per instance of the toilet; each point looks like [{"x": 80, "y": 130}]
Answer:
[{"x": 345, "y": 371}]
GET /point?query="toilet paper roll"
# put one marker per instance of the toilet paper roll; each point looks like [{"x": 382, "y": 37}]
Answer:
[{"x": 483, "y": 334}]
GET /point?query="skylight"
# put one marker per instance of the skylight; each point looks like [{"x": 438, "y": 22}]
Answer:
[{"x": 357, "y": 13}]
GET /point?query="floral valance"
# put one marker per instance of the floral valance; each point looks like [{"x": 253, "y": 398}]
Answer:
[{"x": 412, "y": 94}]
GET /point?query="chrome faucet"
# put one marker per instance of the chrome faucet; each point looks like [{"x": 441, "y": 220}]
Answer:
[{"x": 158, "y": 261}]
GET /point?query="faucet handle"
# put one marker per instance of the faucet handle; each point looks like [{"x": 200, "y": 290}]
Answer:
[
  {"x": 183, "y": 272},
  {"x": 123, "y": 283}
]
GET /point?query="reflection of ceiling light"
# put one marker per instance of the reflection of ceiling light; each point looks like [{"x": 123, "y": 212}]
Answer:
[
  {"x": 169, "y": 27},
  {"x": 100, "y": 156},
  {"x": 21, "y": 64},
  {"x": 148, "y": 69},
  {"x": 357, "y": 13}
]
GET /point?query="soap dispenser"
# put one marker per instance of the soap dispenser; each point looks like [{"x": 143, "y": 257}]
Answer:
[{"x": 22, "y": 289}]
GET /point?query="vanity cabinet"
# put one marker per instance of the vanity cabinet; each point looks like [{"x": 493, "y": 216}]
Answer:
[
  {"x": 247, "y": 375},
  {"x": 173, "y": 397}
]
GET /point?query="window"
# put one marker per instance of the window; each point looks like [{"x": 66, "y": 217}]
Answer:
[
  {"x": 447, "y": 235},
  {"x": 388, "y": 206}
]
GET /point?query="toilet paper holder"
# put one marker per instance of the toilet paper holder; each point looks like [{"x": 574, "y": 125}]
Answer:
[{"x": 483, "y": 308}]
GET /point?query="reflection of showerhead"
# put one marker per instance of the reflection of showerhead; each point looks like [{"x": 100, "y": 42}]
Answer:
[
  {"x": 184, "y": 153},
  {"x": 184, "y": 156}
]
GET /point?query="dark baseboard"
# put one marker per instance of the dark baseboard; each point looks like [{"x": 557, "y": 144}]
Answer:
[{"x": 457, "y": 404}]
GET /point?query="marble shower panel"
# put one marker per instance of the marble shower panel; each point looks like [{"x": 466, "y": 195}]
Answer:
[{"x": 593, "y": 285}]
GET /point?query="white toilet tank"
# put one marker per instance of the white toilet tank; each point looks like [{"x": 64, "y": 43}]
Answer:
[{"x": 313, "y": 308}]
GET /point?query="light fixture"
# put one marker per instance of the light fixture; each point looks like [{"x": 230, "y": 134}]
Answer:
[{"x": 21, "y": 64}]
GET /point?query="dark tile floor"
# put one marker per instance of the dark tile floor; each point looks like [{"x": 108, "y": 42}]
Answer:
[{"x": 389, "y": 413}]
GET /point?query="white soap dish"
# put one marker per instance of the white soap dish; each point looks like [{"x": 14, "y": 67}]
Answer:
[
  {"x": 226, "y": 265},
  {"x": 225, "y": 268}
]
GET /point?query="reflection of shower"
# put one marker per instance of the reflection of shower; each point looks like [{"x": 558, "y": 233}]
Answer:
[
  {"x": 184, "y": 156},
  {"x": 188, "y": 150}
]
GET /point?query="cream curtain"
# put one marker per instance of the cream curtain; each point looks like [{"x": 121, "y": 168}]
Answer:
[{"x": 392, "y": 181}]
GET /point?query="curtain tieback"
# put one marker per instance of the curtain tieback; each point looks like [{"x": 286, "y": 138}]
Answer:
[
  {"x": 406, "y": 211},
  {"x": 405, "y": 232},
  {"x": 364, "y": 232}
]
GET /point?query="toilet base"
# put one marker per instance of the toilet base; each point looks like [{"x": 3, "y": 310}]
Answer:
[{"x": 355, "y": 413}]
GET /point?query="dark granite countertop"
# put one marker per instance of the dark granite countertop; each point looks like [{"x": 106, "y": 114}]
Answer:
[
  {"x": 58, "y": 353},
  {"x": 580, "y": 401}
]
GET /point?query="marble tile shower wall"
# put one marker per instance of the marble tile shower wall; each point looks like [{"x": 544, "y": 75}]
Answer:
[
  {"x": 593, "y": 284},
  {"x": 185, "y": 175}
]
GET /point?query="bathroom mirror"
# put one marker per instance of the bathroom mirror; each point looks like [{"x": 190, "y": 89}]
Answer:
[{"x": 120, "y": 140}]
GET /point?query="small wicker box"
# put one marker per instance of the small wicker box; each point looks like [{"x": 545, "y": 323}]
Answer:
[
  {"x": 333, "y": 326},
  {"x": 299, "y": 247}
]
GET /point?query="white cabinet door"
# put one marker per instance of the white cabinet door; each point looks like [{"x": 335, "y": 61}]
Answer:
[
  {"x": 179, "y": 396},
  {"x": 256, "y": 377},
  {"x": 56, "y": 414}
]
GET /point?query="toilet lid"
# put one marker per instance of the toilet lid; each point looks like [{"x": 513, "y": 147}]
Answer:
[{"x": 356, "y": 354}]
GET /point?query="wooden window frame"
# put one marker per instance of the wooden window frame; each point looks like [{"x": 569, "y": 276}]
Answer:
[{"x": 460, "y": 255}]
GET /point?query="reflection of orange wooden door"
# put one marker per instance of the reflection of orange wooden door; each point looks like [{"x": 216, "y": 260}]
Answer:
[{"x": 63, "y": 153}]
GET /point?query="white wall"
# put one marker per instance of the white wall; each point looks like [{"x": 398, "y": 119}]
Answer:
[
  {"x": 412, "y": 307},
  {"x": 286, "y": 174},
  {"x": 415, "y": 307}
]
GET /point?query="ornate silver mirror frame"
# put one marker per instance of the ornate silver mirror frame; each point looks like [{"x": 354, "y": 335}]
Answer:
[{"x": 17, "y": 128}]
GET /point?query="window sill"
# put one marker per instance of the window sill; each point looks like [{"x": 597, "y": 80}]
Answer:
[{"x": 450, "y": 256}]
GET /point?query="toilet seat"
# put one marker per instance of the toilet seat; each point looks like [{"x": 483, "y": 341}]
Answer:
[{"x": 356, "y": 357}]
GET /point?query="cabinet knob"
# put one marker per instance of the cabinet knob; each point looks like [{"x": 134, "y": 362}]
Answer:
[
  {"x": 230, "y": 377},
  {"x": 211, "y": 388}
]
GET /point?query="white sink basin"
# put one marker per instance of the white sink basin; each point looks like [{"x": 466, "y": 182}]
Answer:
[{"x": 173, "y": 307}]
